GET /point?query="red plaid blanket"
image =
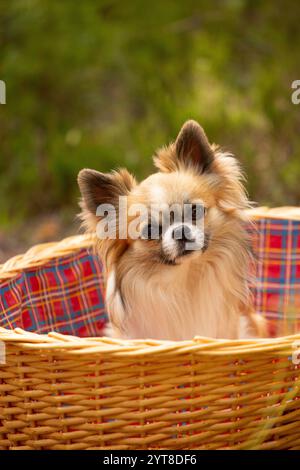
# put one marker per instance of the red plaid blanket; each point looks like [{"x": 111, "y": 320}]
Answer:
[
  {"x": 276, "y": 287},
  {"x": 67, "y": 293},
  {"x": 64, "y": 295}
]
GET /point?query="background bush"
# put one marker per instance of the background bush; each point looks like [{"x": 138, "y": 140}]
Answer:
[{"x": 103, "y": 83}]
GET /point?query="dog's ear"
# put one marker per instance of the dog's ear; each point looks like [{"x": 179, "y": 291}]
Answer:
[
  {"x": 191, "y": 150},
  {"x": 192, "y": 147},
  {"x": 102, "y": 188}
]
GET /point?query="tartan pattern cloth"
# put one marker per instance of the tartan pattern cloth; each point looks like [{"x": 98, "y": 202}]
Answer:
[
  {"x": 64, "y": 295},
  {"x": 276, "y": 287},
  {"x": 67, "y": 293}
]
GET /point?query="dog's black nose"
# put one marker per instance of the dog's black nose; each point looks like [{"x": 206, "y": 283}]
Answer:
[{"x": 183, "y": 233}]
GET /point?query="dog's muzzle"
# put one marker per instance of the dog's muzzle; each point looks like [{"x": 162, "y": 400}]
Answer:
[{"x": 181, "y": 240}]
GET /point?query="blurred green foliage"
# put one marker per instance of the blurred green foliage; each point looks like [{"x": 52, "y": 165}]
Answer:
[{"x": 103, "y": 83}]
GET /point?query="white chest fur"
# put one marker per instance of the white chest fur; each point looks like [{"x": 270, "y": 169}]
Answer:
[{"x": 182, "y": 302}]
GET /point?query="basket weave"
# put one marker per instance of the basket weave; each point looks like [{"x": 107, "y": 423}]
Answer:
[{"x": 66, "y": 392}]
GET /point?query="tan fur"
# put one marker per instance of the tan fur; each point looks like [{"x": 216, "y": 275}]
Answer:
[{"x": 204, "y": 294}]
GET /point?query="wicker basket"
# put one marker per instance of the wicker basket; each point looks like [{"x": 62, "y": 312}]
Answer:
[{"x": 66, "y": 392}]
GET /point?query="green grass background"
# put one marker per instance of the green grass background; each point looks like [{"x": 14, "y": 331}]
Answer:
[{"x": 103, "y": 83}]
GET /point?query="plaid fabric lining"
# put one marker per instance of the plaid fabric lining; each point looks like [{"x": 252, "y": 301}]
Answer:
[
  {"x": 67, "y": 294},
  {"x": 277, "y": 284}
]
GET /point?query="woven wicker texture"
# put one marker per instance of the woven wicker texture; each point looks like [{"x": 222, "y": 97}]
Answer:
[{"x": 66, "y": 392}]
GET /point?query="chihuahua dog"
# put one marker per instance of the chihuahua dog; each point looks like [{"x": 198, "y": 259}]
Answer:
[{"x": 156, "y": 286}]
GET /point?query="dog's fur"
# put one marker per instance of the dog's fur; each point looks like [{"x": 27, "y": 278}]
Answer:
[{"x": 156, "y": 293}]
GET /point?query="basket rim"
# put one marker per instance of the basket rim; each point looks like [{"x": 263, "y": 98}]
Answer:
[
  {"x": 282, "y": 212},
  {"x": 74, "y": 345},
  {"x": 39, "y": 255}
]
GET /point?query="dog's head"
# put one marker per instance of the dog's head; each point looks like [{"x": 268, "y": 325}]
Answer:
[{"x": 182, "y": 211}]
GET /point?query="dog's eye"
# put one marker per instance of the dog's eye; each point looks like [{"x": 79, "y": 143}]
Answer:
[
  {"x": 151, "y": 231},
  {"x": 198, "y": 211}
]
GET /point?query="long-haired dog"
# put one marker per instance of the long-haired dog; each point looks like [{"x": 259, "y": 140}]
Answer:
[{"x": 156, "y": 288}]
